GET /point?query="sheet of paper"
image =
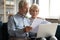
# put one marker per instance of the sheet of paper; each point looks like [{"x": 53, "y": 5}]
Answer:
[{"x": 35, "y": 25}]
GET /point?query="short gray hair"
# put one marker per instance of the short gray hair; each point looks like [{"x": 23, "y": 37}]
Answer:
[
  {"x": 34, "y": 6},
  {"x": 22, "y": 3}
]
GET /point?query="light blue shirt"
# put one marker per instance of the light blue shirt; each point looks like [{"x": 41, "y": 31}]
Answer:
[{"x": 16, "y": 24}]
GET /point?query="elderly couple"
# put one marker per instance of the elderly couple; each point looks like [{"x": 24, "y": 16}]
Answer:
[{"x": 19, "y": 24}]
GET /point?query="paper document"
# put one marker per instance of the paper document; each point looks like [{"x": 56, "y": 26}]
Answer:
[{"x": 35, "y": 24}]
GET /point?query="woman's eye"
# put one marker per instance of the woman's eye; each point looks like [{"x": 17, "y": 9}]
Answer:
[{"x": 33, "y": 11}]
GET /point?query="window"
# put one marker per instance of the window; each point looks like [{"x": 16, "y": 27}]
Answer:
[
  {"x": 49, "y": 8},
  {"x": 44, "y": 8},
  {"x": 55, "y": 8}
]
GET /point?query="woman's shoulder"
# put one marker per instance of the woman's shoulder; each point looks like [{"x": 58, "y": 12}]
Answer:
[{"x": 40, "y": 18}]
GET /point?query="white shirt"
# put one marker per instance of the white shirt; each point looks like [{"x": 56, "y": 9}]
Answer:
[{"x": 37, "y": 22}]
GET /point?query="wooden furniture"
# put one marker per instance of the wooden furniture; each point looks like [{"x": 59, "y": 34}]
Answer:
[{"x": 6, "y": 7}]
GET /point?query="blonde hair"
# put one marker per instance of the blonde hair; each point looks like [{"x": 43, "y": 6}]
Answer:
[
  {"x": 34, "y": 6},
  {"x": 22, "y": 3}
]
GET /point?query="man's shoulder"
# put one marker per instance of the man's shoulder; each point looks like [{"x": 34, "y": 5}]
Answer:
[
  {"x": 15, "y": 16},
  {"x": 12, "y": 17}
]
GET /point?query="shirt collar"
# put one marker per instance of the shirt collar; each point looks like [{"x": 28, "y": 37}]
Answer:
[{"x": 20, "y": 15}]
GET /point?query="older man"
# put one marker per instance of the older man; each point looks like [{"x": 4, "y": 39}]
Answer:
[{"x": 18, "y": 23}]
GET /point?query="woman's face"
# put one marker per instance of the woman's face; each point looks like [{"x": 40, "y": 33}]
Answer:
[{"x": 34, "y": 12}]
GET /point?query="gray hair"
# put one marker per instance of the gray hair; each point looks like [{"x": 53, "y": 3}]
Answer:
[
  {"x": 34, "y": 6},
  {"x": 22, "y": 3}
]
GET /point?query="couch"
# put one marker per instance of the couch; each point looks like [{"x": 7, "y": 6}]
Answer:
[
  {"x": 58, "y": 32},
  {"x": 5, "y": 35}
]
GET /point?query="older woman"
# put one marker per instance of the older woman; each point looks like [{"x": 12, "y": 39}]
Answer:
[{"x": 34, "y": 11}]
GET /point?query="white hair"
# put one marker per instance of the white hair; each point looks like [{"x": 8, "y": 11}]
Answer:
[
  {"x": 34, "y": 6},
  {"x": 22, "y": 3}
]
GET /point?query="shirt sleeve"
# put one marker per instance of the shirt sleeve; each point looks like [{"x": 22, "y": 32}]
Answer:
[
  {"x": 11, "y": 26},
  {"x": 45, "y": 22}
]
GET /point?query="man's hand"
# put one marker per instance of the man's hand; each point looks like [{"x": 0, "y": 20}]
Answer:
[{"x": 27, "y": 29}]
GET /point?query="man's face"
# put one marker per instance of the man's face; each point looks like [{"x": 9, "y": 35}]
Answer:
[
  {"x": 23, "y": 10},
  {"x": 34, "y": 12}
]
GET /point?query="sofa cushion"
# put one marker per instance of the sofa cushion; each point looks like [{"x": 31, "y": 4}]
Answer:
[{"x": 58, "y": 32}]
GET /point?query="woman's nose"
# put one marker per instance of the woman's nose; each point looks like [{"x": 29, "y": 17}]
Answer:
[{"x": 34, "y": 12}]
